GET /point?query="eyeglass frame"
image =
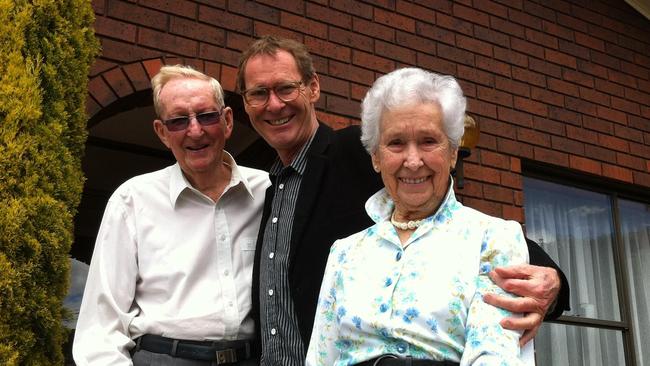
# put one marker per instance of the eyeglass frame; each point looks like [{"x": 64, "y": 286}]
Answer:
[
  {"x": 299, "y": 84},
  {"x": 189, "y": 117}
]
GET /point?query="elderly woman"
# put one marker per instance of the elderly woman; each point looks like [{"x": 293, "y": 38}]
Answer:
[{"x": 409, "y": 290}]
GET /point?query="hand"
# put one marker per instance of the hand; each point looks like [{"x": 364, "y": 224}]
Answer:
[{"x": 538, "y": 286}]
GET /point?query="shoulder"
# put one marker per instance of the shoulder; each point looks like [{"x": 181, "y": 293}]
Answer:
[
  {"x": 255, "y": 177},
  {"x": 144, "y": 183}
]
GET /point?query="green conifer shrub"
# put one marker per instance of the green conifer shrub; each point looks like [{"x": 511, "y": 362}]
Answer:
[{"x": 46, "y": 49}]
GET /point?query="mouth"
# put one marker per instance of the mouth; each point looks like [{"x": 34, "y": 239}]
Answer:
[
  {"x": 278, "y": 122},
  {"x": 413, "y": 180},
  {"x": 197, "y": 147}
]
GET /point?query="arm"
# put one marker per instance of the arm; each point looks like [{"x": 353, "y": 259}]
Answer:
[
  {"x": 543, "y": 287},
  {"x": 101, "y": 337},
  {"x": 486, "y": 341}
]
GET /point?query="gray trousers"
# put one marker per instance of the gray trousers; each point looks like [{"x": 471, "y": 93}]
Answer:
[{"x": 146, "y": 358}]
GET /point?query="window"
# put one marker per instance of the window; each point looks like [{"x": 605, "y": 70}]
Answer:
[{"x": 602, "y": 243}]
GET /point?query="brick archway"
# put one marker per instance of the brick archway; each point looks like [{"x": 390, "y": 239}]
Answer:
[{"x": 124, "y": 80}]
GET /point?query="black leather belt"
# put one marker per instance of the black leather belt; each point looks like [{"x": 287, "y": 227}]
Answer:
[
  {"x": 223, "y": 352},
  {"x": 393, "y": 360}
]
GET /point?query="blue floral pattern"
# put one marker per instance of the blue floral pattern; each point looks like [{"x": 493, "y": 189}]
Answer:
[{"x": 422, "y": 299}]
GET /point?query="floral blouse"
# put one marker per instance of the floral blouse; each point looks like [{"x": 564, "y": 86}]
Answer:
[{"x": 423, "y": 299}]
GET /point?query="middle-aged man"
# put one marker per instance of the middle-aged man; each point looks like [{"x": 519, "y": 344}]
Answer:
[
  {"x": 321, "y": 181},
  {"x": 170, "y": 277}
]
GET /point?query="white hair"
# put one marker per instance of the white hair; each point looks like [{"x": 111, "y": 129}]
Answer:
[{"x": 411, "y": 86}]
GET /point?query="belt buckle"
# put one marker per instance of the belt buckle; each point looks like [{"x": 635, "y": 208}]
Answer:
[
  {"x": 384, "y": 357},
  {"x": 226, "y": 356}
]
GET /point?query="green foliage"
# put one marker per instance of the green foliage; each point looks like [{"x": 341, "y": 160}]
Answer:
[{"x": 46, "y": 49}]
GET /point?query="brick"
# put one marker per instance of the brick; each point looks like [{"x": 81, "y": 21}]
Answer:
[
  {"x": 550, "y": 156},
  {"x": 498, "y": 128},
  {"x": 507, "y": 27},
  {"x": 557, "y": 30},
  {"x": 630, "y": 161},
  {"x": 125, "y": 52},
  {"x": 619, "y": 52},
  {"x": 328, "y": 49},
  {"x": 540, "y": 11},
  {"x": 611, "y": 114},
  {"x": 228, "y": 77},
  {"x": 221, "y": 55},
  {"x": 213, "y": 69},
  {"x": 515, "y": 165},
  {"x": 92, "y": 107},
  {"x": 262, "y": 29},
  {"x": 533, "y": 137},
  {"x": 546, "y": 68},
  {"x": 335, "y": 86},
  {"x": 540, "y": 38},
  {"x": 564, "y": 115},
  {"x": 549, "y": 126},
  {"x": 100, "y": 66},
  {"x": 183, "y": 8},
  {"x": 374, "y": 30},
  {"x": 563, "y": 87},
  {"x": 372, "y": 62},
  {"x": 152, "y": 67},
  {"x": 118, "y": 82},
  {"x": 581, "y": 134},
  {"x": 416, "y": 11},
  {"x": 481, "y": 108},
  {"x": 470, "y": 14},
  {"x": 625, "y": 105},
  {"x": 295, "y": 7},
  {"x": 634, "y": 70},
  {"x": 581, "y": 106},
  {"x": 527, "y": 48},
  {"x": 618, "y": 173},
  {"x": 222, "y": 19},
  {"x": 639, "y": 123},
  {"x": 512, "y": 180},
  {"x": 174, "y": 44},
  {"x": 585, "y": 164},
  {"x": 455, "y": 54},
  {"x": 600, "y": 153},
  {"x": 394, "y": 20},
  {"x": 494, "y": 96},
  {"x": 474, "y": 45},
  {"x": 487, "y": 207},
  {"x": 524, "y": 19},
  {"x": 640, "y": 150},
  {"x": 547, "y": 97},
  {"x": 498, "y": 193},
  {"x": 353, "y": 7},
  {"x": 511, "y": 86},
  {"x": 347, "y": 38},
  {"x": 515, "y": 116},
  {"x": 352, "y": 73},
  {"x": 471, "y": 189},
  {"x": 436, "y": 33},
  {"x": 101, "y": 92},
  {"x": 529, "y": 77},
  {"x": 136, "y": 14},
  {"x": 605, "y": 60},
  {"x": 594, "y": 96},
  {"x": 578, "y": 78},
  {"x": 513, "y": 213},
  {"x": 621, "y": 78},
  {"x": 492, "y": 8},
  {"x": 641, "y": 179},
  {"x": 481, "y": 173},
  {"x": 609, "y": 87},
  {"x": 510, "y": 56},
  {"x": 415, "y": 42},
  {"x": 328, "y": 16},
  {"x": 395, "y": 52},
  {"x": 438, "y": 65},
  {"x": 99, "y": 6},
  {"x": 598, "y": 124},
  {"x": 357, "y": 92},
  {"x": 256, "y": 11},
  {"x": 591, "y": 68},
  {"x": 137, "y": 76},
  {"x": 560, "y": 58},
  {"x": 197, "y": 31},
  {"x": 570, "y": 48},
  {"x": 491, "y": 36},
  {"x": 334, "y": 121},
  {"x": 494, "y": 66},
  {"x": 455, "y": 24},
  {"x": 566, "y": 145},
  {"x": 613, "y": 143},
  {"x": 115, "y": 29},
  {"x": 495, "y": 160},
  {"x": 514, "y": 148},
  {"x": 572, "y": 23},
  {"x": 589, "y": 41},
  {"x": 531, "y": 106},
  {"x": 310, "y": 27},
  {"x": 468, "y": 88}
]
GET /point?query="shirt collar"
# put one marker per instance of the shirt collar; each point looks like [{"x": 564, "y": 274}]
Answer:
[
  {"x": 178, "y": 183},
  {"x": 299, "y": 162}
]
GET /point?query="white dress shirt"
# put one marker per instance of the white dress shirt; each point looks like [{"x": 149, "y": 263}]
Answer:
[{"x": 170, "y": 261}]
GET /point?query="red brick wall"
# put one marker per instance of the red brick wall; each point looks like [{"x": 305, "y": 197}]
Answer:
[{"x": 560, "y": 82}]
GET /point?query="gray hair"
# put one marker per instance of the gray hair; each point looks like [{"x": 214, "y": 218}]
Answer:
[
  {"x": 410, "y": 86},
  {"x": 168, "y": 73}
]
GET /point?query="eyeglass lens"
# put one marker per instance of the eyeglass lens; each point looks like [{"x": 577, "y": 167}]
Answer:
[
  {"x": 260, "y": 96},
  {"x": 181, "y": 123}
]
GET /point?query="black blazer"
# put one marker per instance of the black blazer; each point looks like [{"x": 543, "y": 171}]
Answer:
[{"x": 331, "y": 205}]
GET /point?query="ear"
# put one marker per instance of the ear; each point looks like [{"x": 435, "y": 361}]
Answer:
[
  {"x": 161, "y": 131},
  {"x": 228, "y": 122},
  {"x": 314, "y": 88},
  {"x": 375, "y": 162},
  {"x": 454, "y": 158}
]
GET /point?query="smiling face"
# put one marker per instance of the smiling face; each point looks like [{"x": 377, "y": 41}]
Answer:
[
  {"x": 414, "y": 158},
  {"x": 198, "y": 149},
  {"x": 286, "y": 126}
]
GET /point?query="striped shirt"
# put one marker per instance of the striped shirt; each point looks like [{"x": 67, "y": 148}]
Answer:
[{"x": 281, "y": 341}]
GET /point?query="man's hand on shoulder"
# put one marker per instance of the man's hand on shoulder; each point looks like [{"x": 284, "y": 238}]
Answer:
[{"x": 538, "y": 288}]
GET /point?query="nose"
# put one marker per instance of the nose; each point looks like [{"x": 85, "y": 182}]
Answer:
[
  {"x": 413, "y": 160},
  {"x": 194, "y": 128},
  {"x": 274, "y": 103}
]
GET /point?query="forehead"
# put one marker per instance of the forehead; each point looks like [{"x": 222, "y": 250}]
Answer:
[
  {"x": 264, "y": 70},
  {"x": 422, "y": 117},
  {"x": 186, "y": 93}
]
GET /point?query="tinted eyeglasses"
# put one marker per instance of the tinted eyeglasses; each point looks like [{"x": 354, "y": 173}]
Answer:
[
  {"x": 204, "y": 119},
  {"x": 286, "y": 92}
]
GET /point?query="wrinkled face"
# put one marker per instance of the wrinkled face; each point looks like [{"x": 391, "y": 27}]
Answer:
[
  {"x": 198, "y": 148},
  {"x": 286, "y": 126},
  {"x": 414, "y": 158}
]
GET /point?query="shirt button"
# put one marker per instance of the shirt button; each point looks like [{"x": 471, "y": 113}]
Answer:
[
  {"x": 401, "y": 348},
  {"x": 281, "y": 186},
  {"x": 398, "y": 256},
  {"x": 273, "y": 331},
  {"x": 271, "y": 255},
  {"x": 275, "y": 220},
  {"x": 230, "y": 303},
  {"x": 222, "y": 238},
  {"x": 271, "y": 292},
  {"x": 226, "y": 273}
]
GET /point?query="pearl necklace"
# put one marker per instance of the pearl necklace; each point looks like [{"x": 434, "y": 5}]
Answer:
[{"x": 410, "y": 225}]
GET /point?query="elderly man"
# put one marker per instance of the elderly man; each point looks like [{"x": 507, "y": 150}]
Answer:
[
  {"x": 321, "y": 181},
  {"x": 170, "y": 277}
]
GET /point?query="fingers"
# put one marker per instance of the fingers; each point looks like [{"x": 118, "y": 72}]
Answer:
[
  {"x": 528, "y": 322},
  {"x": 521, "y": 271},
  {"x": 514, "y": 304},
  {"x": 527, "y": 336}
]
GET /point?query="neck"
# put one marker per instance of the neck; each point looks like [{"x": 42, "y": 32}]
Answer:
[{"x": 212, "y": 183}]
